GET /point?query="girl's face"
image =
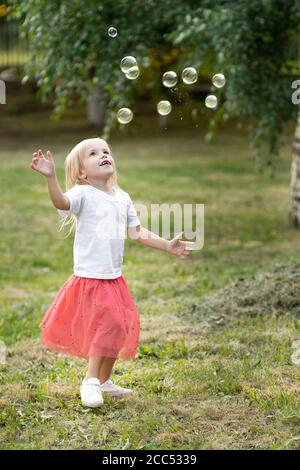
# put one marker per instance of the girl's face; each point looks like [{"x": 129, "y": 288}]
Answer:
[{"x": 98, "y": 162}]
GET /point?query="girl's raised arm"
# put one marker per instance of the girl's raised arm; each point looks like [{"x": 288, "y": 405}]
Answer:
[
  {"x": 175, "y": 246},
  {"x": 46, "y": 167}
]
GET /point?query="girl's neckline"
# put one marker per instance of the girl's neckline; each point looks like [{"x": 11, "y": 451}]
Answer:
[{"x": 104, "y": 193}]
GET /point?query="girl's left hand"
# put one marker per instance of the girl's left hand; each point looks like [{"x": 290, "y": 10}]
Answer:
[{"x": 180, "y": 248}]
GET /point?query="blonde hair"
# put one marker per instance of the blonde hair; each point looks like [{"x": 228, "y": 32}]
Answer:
[{"x": 73, "y": 167}]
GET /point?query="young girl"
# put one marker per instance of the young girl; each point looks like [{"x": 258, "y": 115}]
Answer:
[{"x": 93, "y": 315}]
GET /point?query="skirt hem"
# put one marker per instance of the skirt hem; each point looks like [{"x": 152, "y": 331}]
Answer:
[{"x": 99, "y": 353}]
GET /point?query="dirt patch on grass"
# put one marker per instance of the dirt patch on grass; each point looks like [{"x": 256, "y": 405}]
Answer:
[
  {"x": 25, "y": 351},
  {"x": 237, "y": 425},
  {"x": 276, "y": 291}
]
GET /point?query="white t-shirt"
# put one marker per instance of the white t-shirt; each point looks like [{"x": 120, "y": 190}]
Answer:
[{"x": 101, "y": 223}]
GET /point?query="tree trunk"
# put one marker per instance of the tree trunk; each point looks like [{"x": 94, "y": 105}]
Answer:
[
  {"x": 294, "y": 214},
  {"x": 96, "y": 107},
  {"x": 295, "y": 178},
  {"x": 2, "y": 92}
]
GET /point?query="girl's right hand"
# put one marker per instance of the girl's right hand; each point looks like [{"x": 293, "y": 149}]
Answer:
[{"x": 43, "y": 165}]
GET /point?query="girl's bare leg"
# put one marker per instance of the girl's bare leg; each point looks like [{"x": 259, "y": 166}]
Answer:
[
  {"x": 94, "y": 366},
  {"x": 105, "y": 368}
]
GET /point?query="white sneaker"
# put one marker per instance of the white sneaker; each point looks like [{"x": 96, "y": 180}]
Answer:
[
  {"x": 90, "y": 393},
  {"x": 114, "y": 390}
]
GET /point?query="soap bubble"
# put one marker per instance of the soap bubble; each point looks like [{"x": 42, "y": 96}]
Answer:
[
  {"x": 189, "y": 75},
  {"x": 133, "y": 72},
  {"x": 169, "y": 79},
  {"x": 218, "y": 80},
  {"x": 164, "y": 107},
  {"x": 127, "y": 63},
  {"x": 112, "y": 32},
  {"x": 211, "y": 101},
  {"x": 124, "y": 115}
]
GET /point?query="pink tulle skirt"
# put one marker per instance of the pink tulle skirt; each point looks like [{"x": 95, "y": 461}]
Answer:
[{"x": 92, "y": 317}]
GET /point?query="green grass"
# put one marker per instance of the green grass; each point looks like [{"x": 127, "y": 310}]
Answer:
[{"x": 196, "y": 386}]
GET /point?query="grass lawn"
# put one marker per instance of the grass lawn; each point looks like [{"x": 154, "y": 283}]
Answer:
[{"x": 197, "y": 385}]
